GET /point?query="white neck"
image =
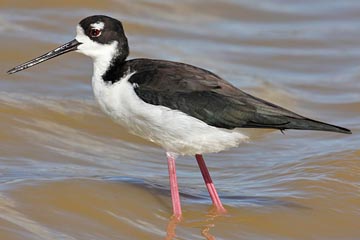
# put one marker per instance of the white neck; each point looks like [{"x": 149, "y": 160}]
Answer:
[
  {"x": 102, "y": 54},
  {"x": 102, "y": 62}
]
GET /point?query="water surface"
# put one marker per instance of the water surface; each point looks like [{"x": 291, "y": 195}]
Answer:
[{"x": 68, "y": 172}]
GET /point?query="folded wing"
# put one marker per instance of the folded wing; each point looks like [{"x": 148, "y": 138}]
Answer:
[{"x": 205, "y": 96}]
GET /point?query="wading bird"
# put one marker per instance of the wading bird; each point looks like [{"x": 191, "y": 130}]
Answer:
[{"x": 185, "y": 109}]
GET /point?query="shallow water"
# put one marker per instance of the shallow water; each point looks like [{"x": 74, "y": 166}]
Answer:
[{"x": 68, "y": 172}]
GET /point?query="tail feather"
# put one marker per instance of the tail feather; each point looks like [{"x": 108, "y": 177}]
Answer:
[
  {"x": 299, "y": 122},
  {"x": 310, "y": 124}
]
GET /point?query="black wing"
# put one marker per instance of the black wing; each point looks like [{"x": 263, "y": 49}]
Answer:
[{"x": 203, "y": 95}]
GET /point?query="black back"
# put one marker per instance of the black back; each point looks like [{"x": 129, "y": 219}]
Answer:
[{"x": 204, "y": 95}]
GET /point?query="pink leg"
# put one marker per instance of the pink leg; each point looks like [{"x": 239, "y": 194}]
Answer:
[
  {"x": 209, "y": 183},
  {"x": 174, "y": 185}
]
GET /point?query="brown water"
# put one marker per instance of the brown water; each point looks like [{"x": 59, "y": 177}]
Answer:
[{"x": 68, "y": 172}]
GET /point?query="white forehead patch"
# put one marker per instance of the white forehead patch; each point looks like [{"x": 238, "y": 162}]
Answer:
[{"x": 98, "y": 25}]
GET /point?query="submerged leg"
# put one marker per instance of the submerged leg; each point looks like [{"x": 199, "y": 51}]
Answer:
[
  {"x": 209, "y": 183},
  {"x": 175, "y": 197}
]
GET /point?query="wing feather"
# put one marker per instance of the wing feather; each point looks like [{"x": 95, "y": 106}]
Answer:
[{"x": 204, "y": 95}]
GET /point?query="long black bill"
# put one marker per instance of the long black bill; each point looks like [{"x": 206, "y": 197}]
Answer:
[{"x": 67, "y": 47}]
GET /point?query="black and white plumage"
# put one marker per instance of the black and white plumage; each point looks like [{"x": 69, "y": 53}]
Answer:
[
  {"x": 185, "y": 109},
  {"x": 181, "y": 87},
  {"x": 204, "y": 95}
]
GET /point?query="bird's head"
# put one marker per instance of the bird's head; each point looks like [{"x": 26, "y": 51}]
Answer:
[{"x": 100, "y": 37}]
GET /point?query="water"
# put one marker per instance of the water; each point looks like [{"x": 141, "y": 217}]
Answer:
[{"x": 68, "y": 172}]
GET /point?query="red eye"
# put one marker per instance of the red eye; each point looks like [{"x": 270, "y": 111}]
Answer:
[{"x": 94, "y": 32}]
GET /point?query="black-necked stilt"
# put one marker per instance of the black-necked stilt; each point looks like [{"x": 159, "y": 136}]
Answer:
[{"x": 185, "y": 109}]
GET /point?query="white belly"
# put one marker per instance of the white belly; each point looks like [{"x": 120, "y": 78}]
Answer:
[{"x": 173, "y": 130}]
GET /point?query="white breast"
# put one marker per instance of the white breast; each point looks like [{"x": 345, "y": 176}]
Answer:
[{"x": 174, "y": 130}]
